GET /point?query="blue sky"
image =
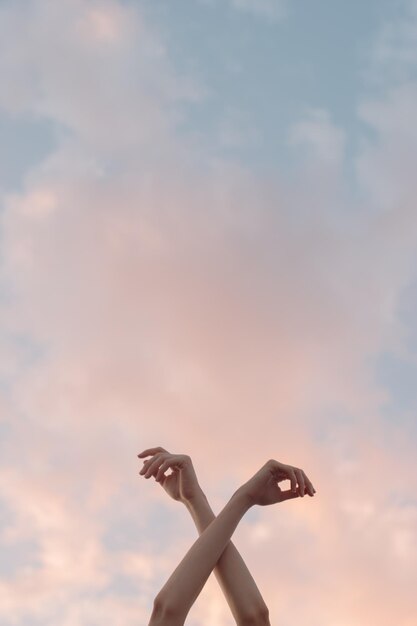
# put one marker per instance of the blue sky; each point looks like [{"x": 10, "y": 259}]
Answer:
[
  {"x": 208, "y": 242},
  {"x": 258, "y": 75},
  {"x": 262, "y": 74}
]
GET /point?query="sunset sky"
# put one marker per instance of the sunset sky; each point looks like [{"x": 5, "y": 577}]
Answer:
[{"x": 208, "y": 231}]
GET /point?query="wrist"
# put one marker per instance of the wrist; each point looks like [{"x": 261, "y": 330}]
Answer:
[
  {"x": 242, "y": 498},
  {"x": 197, "y": 497}
]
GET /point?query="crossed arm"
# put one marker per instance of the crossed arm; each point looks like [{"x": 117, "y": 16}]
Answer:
[{"x": 213, "y": 549}]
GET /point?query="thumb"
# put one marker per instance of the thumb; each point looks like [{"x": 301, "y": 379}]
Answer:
[{"x": 288, "y": 495}]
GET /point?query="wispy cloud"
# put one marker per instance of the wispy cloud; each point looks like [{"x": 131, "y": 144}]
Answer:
[
  {"x": 155, "y": 296},
  {"x": 394, "y": 52}
]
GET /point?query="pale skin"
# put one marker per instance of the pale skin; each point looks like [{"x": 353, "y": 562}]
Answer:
[{"x": 213, "y": 550}]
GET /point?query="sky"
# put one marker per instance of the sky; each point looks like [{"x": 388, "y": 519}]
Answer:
[{"x": 208, "y": 242}]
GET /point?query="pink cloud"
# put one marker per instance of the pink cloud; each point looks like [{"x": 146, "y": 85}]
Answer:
[{"x": 214, "y": 312}]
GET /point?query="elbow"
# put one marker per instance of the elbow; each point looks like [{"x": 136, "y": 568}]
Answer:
[{"x": 165, "y": 614}]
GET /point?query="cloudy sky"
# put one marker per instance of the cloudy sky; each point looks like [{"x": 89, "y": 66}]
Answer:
[{"x": 208, "y": 230}]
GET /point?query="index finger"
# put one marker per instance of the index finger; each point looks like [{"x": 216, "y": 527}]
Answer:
[
  {"x": 293, "y": 479},
  {"x": 282, "y": 472},
  {"x": 151, "y": 451}
]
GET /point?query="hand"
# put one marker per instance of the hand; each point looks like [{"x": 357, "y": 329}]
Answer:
[
  {"x": 182, "y": 483},
  {"x": 263, "y": 488}
]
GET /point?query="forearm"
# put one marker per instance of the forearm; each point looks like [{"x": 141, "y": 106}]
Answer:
[
  {"x": 185, "y": 583},
  {"x": 239, "y": 588}
]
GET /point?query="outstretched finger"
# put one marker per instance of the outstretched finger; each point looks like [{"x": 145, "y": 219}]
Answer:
[{"x": 151, "y": 451}]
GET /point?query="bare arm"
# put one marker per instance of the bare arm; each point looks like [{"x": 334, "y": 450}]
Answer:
[
  {"x": 182, "y": 588},
  {"x": 238, "y": 585},
  {"x": 239, "y": 588}
]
